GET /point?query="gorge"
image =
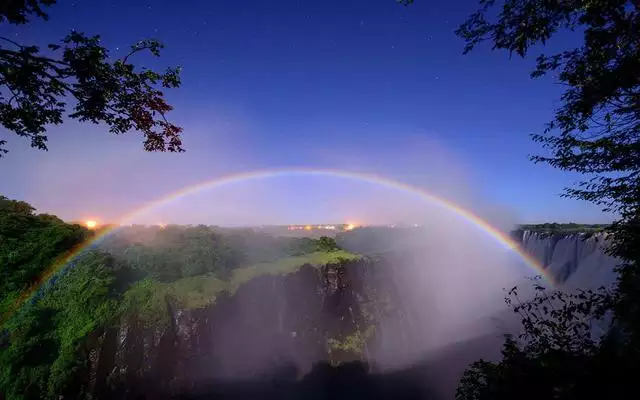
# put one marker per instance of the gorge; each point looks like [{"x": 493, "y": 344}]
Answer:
[
  {"x": 202, "y": 312},
  {"x": 285, "y": 324},
  {"x": 576, "y": 260}
]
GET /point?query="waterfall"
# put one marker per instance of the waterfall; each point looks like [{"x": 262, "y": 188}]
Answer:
[{"x": 576, "y": 260}]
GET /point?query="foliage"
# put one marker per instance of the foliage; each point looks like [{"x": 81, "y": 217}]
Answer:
[
  {"x": 288, "y": 265},
  {"x": 261, "y": 247},
  {"x": 555, "y": 228},
  {"x": 29, "y": 348},
  {"x": 35, "y": 86},
  {"x": 29, "y": 244},
  {"x": 563, "y": 352},
  {"x": 354, "y": 343},
  {"x": 149, "y": 299},
  {"x": 326, "y": 243},
  {"x": 85, "y": 297},
  {"x": 596, "y": 129},
  {"x": 42, "y": 357},
  {"x": 41, "y": 340},
  {"x": 140, "y": 272},
  {"x": 176, "y": 252},
  {"x": 18, "y": 12},
  {"x": 595, "y": 132}
]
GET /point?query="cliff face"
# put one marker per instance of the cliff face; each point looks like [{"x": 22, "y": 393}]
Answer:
[
  {"x": 289, "y": 321},
  {"x": 575, "y": 260},
  {"x": 274, "y": 323}
]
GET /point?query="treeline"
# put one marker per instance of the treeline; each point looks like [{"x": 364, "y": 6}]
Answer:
[
  {"x": 41, "y": 335},
  {"x": 29, "y": 242},
  {"x": 46, "y": 319},
  {"x": 42, "y": 352},
  {"x": 554, "y": 227},
  {"x": 175, "y": 251}
]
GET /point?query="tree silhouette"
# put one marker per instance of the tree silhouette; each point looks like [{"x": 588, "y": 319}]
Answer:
[
  {"x": 35, "y": 85},
  {"x": 595, "y": 132}
]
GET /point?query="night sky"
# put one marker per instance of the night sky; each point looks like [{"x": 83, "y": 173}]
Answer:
[{"x": 357, "y": 85}]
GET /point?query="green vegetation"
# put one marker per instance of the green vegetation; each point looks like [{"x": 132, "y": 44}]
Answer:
[
  {"x": 138, "y": 273},
  {"x": 41, "y": 357},
  {"x": 29, "y": 243},
  {"x": 556, "y": 228},
  {"x": 148, "y": 298},
  {"x": 288, "y": 265},
  {"x": 177, "y": 252},
  {"x": 354, "y": 344}
]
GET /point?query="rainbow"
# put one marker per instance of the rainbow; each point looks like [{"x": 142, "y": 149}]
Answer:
[{"x": 218, "y": 182}]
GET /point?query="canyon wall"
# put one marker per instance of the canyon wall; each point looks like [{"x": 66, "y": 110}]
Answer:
[
  {"x": 335, "y": 314},
  {"x": 280, "y": 326},
  {"x": 575, "y": 260}
]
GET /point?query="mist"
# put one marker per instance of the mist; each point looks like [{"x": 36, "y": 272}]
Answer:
[
  {"x": 448, "y": 271},
  {"x": 451, "y": 282}
]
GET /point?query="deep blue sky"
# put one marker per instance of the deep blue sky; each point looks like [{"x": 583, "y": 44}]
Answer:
[{"x": 354, "y": 84}]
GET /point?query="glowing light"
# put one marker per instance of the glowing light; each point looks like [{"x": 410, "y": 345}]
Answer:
[
  {"x": 308, "y": 228},
  {"x": 350, "y": 227},
  {"x": 91, "y": 224}
]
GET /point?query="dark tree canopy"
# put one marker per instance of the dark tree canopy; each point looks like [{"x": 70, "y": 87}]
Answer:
[
  {"x": 595, "y": 131},
  {"x": 564, "y": 352},
  {"x": 36, "y": 86},
  {"x": 597, "y": 127},
  {"x": 18, "y": 11}
]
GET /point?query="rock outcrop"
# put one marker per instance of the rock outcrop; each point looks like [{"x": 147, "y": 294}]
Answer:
[
  {"x": 575, "y": 260},
  {"x": 336, "y": 313},
  {"x": 286, "y": 324}
]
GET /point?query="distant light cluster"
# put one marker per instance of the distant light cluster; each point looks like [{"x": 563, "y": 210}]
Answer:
[{"x": 346, "y": 227}]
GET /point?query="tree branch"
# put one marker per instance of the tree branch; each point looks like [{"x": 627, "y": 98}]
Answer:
[{"x": 12, "y": 42}]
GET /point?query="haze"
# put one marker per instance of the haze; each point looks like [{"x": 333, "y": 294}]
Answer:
[{"x": 386, "y": 89}]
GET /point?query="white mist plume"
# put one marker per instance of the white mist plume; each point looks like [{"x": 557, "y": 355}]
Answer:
[
  {"x": 458, "y": 272},
  {"x": 454, "y": 283},
  {"x": 458, "y": 269}
]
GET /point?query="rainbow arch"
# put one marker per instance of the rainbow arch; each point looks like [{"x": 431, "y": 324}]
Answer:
[{"x": 500, "y": 237}]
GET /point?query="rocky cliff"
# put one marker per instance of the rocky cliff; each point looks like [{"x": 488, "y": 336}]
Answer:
[
  {"x": 284, "y": 324},
  {"x": 575, "y": 260},
  {"x": 335, "y": 313}
]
